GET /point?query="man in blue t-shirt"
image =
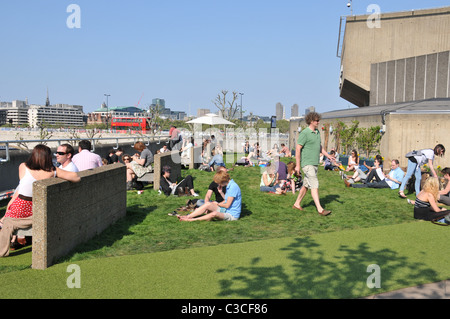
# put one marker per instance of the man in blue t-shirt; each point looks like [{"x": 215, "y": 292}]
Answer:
[{"x": 229, "y": 209}]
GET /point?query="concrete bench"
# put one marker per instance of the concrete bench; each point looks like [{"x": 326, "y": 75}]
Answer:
[
  {"x": 172, "y": 159},
  {"x": 147, "y": 178},
  {"x": 67, "y": 214}
]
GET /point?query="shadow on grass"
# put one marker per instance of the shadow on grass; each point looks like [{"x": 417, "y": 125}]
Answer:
[
  {"x": 324, "y": 200},
  {"x": 308, "y": 273},
  {"x": 135, "y": 215},
  {"x": 245, "y": 212}
]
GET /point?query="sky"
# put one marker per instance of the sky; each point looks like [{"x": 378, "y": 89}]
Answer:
[{"x": 185, "y": 52}]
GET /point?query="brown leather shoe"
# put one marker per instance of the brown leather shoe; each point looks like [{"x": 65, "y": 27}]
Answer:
[{"x": 325, "y": 212}]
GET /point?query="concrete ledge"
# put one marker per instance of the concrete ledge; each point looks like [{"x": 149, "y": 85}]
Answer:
[
  {"x": 67, "y": 214},
  {"x": 172, "y": 159}
]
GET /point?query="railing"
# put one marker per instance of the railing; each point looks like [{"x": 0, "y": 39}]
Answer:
[{"x": 146, "y": 138}]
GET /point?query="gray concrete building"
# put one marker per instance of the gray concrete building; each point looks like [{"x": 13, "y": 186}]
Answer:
[
  {"x": 403, "y": 49},
  {"x": 410, "y": 79},
  {"x": 294, "y": 110},
  {"x": 17, "y": 112},
  {"x": 56, "y": 115},
  {"x": 279, "y": 111}
]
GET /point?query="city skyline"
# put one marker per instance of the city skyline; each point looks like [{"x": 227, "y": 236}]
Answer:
[{"x": 186, "y": 53}]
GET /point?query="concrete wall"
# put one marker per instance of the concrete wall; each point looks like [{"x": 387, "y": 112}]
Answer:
[
  {"x": 407, "y": 132},
  {"x": 410, "y": 79},
  {"x": 171, "y": 159},
  {"x": 401, "y": 35},
  {"x": 67, "y": 214}
]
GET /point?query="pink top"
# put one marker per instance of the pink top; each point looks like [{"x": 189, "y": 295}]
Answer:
[{"x": 86, "y": 160}]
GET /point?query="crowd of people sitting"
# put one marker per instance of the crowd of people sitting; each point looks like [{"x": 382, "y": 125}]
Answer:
[
  {"x": 431, "y": 193},
  {"x": 278, "y": 177}
]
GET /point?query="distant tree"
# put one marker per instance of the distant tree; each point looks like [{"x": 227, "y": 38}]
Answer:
[
  {"x": 155, "y": 121},
  {"x": 228, "y": 108},
  {"x": 283, "y": 126}
]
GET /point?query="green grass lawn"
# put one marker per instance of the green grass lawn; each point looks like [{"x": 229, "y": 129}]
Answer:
[
  {"x": 147, "y": 227},
  {"x": 274, "y": 242}
]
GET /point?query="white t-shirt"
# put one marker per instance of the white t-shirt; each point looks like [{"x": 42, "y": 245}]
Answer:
[
  {"x": 427, "y": 154},
  {"x": 185, "y": 152},
  {"x": 71, "y": 167}
]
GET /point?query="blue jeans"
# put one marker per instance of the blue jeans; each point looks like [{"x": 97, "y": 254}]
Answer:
[
  {"x": 413, "y": 168},
  {"x": 269, "y": 188}
]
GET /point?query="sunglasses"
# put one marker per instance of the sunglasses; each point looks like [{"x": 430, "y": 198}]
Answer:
[
  {"x": 127, "y": 159},
  {"x": 61, "y": 153}
]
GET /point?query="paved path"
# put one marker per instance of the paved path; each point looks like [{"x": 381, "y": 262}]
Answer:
[{"x": 438, "y": 290}]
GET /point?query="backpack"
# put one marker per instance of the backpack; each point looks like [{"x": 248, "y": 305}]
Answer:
[{"x": 412, "y": 155}]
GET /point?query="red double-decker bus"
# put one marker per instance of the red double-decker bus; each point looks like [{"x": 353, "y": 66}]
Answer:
[{"x": 130, "y": 123}]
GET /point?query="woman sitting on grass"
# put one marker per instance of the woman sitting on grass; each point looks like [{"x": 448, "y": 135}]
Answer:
[
  {"x": 360, "y": 176},
  {"x": 229, "y": 209},
  {"x": 294, "y": 179},
  {"x": 444, "y": 195},
  {"x": 425, "y": 205},
  {"x": 353, "y": 161},
  {"x": 269, "y": 180}
]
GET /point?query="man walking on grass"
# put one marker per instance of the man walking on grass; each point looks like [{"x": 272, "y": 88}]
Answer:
[{"x": 307, "y": 155}]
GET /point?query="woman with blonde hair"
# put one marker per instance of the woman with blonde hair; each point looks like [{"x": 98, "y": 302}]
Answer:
[
  {"x": 425, "y": 205},
  {"x": 269, "y": 180}
]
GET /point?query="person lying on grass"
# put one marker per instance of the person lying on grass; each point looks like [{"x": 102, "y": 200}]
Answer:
[{"x": 229, "y": 209}]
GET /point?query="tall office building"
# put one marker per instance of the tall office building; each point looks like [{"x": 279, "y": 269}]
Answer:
[
  {"x": 310, "y": 109},
  {"x": 201, "y": 112},
  {"x": 160, "y": 102},
  {"x": 294, "y": 110},
  {"x": 279, "y": 111}
]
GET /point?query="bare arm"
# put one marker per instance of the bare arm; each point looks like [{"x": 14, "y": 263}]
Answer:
[
  {"x": 298, "y": 149},
  {"x": 433, "y": 203},
  {"x": 70, "y": 176},
  {"x": 138, "y": 160},
  {"x": 208, "y": 195},
  {"x": 446, "y": 190},
  {"x": 325, "y": 153},
  {"x": 430, "y": 164},
  {"x": 226, "y": 204}
]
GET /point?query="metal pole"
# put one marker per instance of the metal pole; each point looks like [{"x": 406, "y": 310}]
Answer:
[{"x": 107, "y": 111}]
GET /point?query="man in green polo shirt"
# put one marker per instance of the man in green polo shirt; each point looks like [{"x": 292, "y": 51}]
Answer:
[{"x": 307, "y": 155}]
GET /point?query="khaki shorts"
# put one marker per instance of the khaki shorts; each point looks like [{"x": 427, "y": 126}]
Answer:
[{"x": 310, "y": 179}]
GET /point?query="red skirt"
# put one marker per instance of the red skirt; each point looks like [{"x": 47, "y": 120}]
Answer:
[{"x": 20, "y": 209}]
